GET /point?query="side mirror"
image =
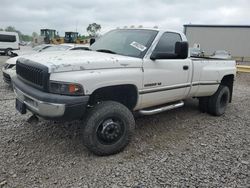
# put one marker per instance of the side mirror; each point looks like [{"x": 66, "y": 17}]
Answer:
[
  {"x": 92, "y": 40},
  {"x": 163, "y": 55},
  {"x": 181, "y": 52},
  {"x": 181, "y": 49}
]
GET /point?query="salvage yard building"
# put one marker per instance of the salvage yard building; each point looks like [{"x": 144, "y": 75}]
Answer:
[{"x": 233, "y": 38}]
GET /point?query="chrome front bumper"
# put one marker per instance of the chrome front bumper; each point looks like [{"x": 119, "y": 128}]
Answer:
[
  {"x": 48, "y": 105},
  {"x": 41, "y": 108}
]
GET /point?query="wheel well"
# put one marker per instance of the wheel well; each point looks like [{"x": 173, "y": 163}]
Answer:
[
  {"x": 125, "y": 94},
  {"x": 228, "y": 81}
]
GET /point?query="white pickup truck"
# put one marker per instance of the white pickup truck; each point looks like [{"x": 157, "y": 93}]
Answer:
[{"x": 126, "y": 71}]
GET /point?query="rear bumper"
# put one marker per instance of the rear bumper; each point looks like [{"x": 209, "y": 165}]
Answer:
[{"x": 50, "y": 106}]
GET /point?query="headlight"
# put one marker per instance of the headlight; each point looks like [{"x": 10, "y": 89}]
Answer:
[
  {"x": 9, "y": 66},
  {"x": 6, "y": 65},
  {"x": 64, "y": 88}
]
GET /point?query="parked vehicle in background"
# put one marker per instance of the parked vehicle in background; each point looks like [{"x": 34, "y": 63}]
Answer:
[
  {"x": 65, "y": 47},
  {"x": 221, "y": 54},
  {"x": 23, "y": 43},
  {"x": 9, "y": 41},
  {"x": 126, "y": 71},
  {"x": 9, "y": 68},
  {"x": 36, "y": 49},
  {"x": 196, "y": 52}
]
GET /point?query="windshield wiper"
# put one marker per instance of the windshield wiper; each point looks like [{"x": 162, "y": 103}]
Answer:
[{"x": 106, "y": 51}]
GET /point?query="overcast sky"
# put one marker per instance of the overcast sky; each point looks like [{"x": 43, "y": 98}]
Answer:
[{"x": 69, "y": 15}]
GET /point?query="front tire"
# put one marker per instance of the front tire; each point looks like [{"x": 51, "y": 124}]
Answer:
[
  {"x": 109, "y": 128},
  {"x": 218, "y": 102}
]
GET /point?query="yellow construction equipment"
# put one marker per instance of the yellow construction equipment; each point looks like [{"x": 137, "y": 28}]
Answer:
[
  {"x": 49, "y": 36},
  {"x": 57, "y": 40},
  {"x": 243, "y": 68},
  {"x": 73, "y": 37}
]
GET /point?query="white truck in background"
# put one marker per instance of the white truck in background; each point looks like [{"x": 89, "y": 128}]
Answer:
[
  {"x": 126, "y": 71},
  {"x": 9, "y": 41}
]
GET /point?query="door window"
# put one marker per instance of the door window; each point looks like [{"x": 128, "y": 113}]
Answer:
[{"x": 167, "y": 42}]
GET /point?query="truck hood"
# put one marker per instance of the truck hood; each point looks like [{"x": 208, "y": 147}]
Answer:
[{"x": 82, "y": 60}]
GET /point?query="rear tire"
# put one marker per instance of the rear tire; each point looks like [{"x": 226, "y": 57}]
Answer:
[
  {"x": 218, "y": 102},
  {"x": 109, "y": 128}
]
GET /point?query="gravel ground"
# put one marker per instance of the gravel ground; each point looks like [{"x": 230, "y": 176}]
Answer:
[{"x": 179, "y": 148}]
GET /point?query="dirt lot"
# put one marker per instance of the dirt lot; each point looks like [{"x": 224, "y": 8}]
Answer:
[{"x": 180, "y": 148}]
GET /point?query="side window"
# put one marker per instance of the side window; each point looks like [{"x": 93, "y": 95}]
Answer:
[
  {"x": 167, "y": 42},
  {"x": 7, "y": 38}
]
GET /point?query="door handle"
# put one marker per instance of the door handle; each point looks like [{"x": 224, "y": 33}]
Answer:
[{"x": 185, "y": 67}]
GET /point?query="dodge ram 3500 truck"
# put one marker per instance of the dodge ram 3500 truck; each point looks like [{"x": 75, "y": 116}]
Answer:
[{"x": 126, "y": 71}]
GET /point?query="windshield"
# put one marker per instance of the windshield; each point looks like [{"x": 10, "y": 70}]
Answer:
[
  {"x": 57, "y": 48},
  {"x": 129, "y": 42}
]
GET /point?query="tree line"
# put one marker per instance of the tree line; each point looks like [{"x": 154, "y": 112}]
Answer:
[{"x": 22, "y": 37}]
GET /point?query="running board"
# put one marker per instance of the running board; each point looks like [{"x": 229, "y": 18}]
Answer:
[{"x": 161, "y": 109}]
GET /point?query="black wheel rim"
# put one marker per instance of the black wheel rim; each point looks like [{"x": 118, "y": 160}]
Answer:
[
  {"x": 223, "y": 100},
  {"x": 110, "y": 130}
]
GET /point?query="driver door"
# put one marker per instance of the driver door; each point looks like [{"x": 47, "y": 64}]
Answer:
[{"x": 165, "y": 80}]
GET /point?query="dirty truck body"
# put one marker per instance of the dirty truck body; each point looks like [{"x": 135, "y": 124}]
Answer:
[{"x": 126, "y": 71}]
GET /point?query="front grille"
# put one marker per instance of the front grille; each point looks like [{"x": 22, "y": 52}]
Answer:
[{"x": 32, "y": 73}]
